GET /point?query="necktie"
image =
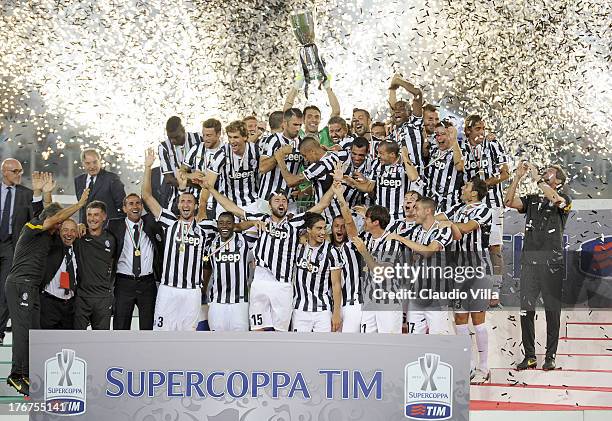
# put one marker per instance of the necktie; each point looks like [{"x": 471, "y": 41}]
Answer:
[
  {"x": 70, "y": 270},
  {"x": 136, "y": 256},
  {"x": 6, "y": 215},
  {"x": 91, "y": 183}
]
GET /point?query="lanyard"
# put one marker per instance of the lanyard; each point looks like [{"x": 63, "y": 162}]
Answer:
[{"x": 134, "y": 244}]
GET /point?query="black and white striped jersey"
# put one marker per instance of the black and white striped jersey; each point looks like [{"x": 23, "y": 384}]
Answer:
[
  {"x": 172, "y": 156},
  {"x": 387, "y": 253},
  {"x": 198, "y": 159},
  {"x": 183, "y": 250},
  {"x": 352, "y": 195},
  {"x": 392, "y": 183},
  {"x": 352, "y": 272},
  {"x": 320, "y": 174},
  {"x": 238, "y": 175},
  {"x": 273, "y": 181},
  {"x": 444, "y": 182},
  {"x": 275, "y": 248},
  {"x": 473, "y": 248},
  {"x": 314, "y": 265},
  {"x": 231, "y": 268},
  {"x": 488, "y": 156},
  {"x": 410, "y": 135}
]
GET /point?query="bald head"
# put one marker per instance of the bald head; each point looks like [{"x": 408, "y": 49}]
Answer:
[
  {"x": 311, "y": 150},
  {"x": 11, "y": 172},
  {"x": 69, "y": 232}
]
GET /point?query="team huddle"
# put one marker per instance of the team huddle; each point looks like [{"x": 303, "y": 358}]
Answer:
[{"x": 228, "y": 240}]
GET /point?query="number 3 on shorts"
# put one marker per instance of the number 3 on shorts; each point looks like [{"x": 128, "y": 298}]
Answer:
[
  {"x": 160, "y": 321},
  {"x": 257, "y": 319}
]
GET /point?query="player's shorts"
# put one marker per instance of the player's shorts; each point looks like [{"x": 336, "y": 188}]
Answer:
[
  {"x": 434, "y": 322},
  {"x": 474, "y": 301},
  {"x": 381, "y": 321},
  {"x": 228, "y": 317},
  {"x": 177, "y": 308},
  {"x": 311, "y": 321},
  {"x": 270, "y": 301},
  {"x": 497, "y": 227},
  {"x": 351, "y": 318}
]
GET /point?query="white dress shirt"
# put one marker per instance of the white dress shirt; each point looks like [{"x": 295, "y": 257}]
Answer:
[
  {"x": 54, "y": 286},
  {"x": 124, "y": 265}
]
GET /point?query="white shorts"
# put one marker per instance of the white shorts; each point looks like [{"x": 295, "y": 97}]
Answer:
[
  {"x": 381, "y": 322},
  {"x": 351, "y": 318},
  {"x": 311, "y": 321},
  {"x": 270, "y": 301},
  {"x": 228, "y": 317},
  {"x": 433, "y": 322},
  {"x": 497, "y": 227},
  {"x": 177, "y": 308}
]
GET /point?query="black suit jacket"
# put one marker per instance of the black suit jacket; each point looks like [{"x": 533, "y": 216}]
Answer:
[
  {"x": 153, "y": 231},
  {"x": 108, "y": 188},
  {"x": 54, "y": 260},
  {"x": 23, "y": 211}
]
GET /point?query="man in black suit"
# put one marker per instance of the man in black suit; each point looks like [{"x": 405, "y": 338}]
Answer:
[
  {"x": 140, "y": 247},
  {"x": 103, "y": 185},
  {"x": 18, "y": 205},
  {"x": 59, "y": 280}
]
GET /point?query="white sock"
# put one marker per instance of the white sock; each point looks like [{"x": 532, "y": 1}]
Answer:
[
  {"x": 482, "y": 343},
  {"x": 464, "y": 330}
]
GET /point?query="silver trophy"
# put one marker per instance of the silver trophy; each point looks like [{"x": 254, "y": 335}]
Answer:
[{"x": 312, "y": 65}]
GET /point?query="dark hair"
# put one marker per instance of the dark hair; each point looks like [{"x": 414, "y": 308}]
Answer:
[
  {"x": 97, "y": 204},
  {"x": 430, "y": 107},
  {"x": 390, "y": 147},
  {"x": 480, "y": 187},
  {"x": 226, "y": 214},
  {"x": 418, "y": 195},
  {"x": 380, "y": 214},
  {"x": 311, "y": 218},
  {"x": 472, "y": 120},
  {"x": 360, "y": 142},
  {"x": 130, "y": 195},
  {"x": 311, "y": 107},
  {"x": 337, "y": 120},
  {"x": 428, "y": 202},
  {"x": 367, "y": 113},
  {"x": 212, "y": 123},
  {"x": 275, "y": 121},
  {"x": 292, "y": 112},
  {"x": 173, "y": 124},
  {"x": 309, "y": 142},
  {"x": 50, "y": 211},
  {"x": 560, "y": 174},
  {"x": 237, "y": 127},
  {"x": 277, "y": 193},
  {"x": 378, "y": 124}
]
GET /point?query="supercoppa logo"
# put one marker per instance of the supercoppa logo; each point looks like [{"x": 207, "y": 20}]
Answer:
[
  {"x": 65, "y": 384},
  {"x": 428, "y": 389}
]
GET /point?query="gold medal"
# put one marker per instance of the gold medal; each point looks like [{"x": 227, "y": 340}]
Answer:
[
  {"x": 137, "y": 253},
  {"x": 182, "y": 248}
]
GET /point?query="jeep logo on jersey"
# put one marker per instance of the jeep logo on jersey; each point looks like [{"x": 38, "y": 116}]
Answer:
[
  {"x": 242, "y": 174},
  {"x": 305, "y": 264},
  {"x": 428, "y": 389},
  {"x": 473, "y": 165},
  {"x": 293, "y": 157},
  {"x": 192, "y": 241},
  {"x": 390, "y": 183},
  {"x": 228, "y": 257},
  {"x": 277, "y": 233}
]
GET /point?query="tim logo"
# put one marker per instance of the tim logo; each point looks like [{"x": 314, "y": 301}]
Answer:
[
  {"x": 429, "y": 389},
  {"x": 65, "y": 384}
]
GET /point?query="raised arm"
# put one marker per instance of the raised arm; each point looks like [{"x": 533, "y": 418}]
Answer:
[
  {"x": 333, "y": 100},
  {"x": 511, "y": 200},
  {"x": 457, "y": 154},
  {"x": 227, "y": 204},
  {"x": 336, "y": 279},
  {"x": 323, "y": 203},
  {"x": 417, "y": 94},
  {"x": 349, "y": 222},
  {"x": 147, "y": 191},
  {"x": 291, "y": 179},
  {"x": 65, "y": 213},
  {"x": 421, "y": 249},
  {"x": 411, "y": 170}
]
